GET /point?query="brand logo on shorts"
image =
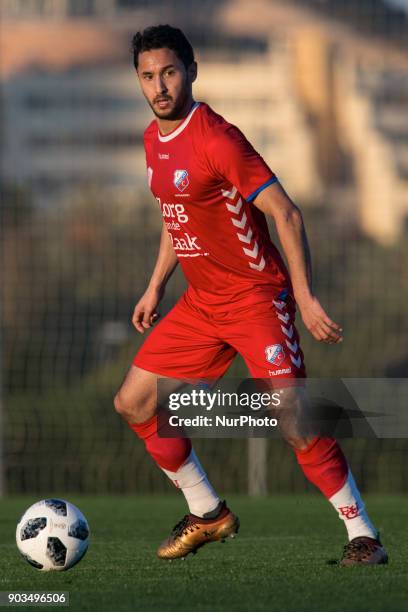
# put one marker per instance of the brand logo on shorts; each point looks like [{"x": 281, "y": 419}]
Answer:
[
  {"x": 275, "y": 354},
  {"x": 279, "y": 372},
  {"x": 181, "y": 179}
]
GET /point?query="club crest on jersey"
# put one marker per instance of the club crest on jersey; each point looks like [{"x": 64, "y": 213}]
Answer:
[
  {"x": 181, "y": 179},
  {"x": 275, "y": 354}
]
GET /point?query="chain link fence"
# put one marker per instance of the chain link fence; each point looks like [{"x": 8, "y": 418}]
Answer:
[{"x": 80, "y": 232}]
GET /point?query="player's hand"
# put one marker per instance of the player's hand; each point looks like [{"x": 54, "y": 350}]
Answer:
[
  {"x": 318, "y": 322},
  {"x": 145, "y": 313}
]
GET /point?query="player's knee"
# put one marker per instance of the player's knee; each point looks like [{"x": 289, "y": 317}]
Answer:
[
  {"x": 135, "y": 409},
  {"x": 120, "y": 404},
  {"x": 127, "y": 409}
]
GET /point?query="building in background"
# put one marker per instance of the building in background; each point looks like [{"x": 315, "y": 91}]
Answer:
[
  {"x": 75, "y": 128},
  {"x": 28, "y": 9},
  {"x": 84, "y": 125},
  {"x": 350, "y": 64},
  {"x": 324, "y": 105}
]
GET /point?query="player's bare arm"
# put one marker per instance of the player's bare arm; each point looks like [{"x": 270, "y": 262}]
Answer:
[
  {"x": 145, "y": 313},
  {"x": 275, "y": 202}
]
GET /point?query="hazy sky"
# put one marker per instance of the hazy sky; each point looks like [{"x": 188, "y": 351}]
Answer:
[{"x": 400, "y": 3}]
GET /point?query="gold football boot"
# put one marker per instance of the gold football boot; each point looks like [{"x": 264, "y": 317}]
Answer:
[
  {"x": 192, "y": 532},
  {"x": 364, "y": 551}
]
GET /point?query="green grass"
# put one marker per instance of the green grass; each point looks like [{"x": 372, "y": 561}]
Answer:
[{"x": 282, "y": 559}]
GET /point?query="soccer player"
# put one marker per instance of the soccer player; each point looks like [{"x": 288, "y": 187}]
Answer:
[{"x": 214, "y": 191}]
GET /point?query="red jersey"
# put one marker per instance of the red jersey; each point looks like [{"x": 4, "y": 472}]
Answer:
[{"x": 204, "y": 175}]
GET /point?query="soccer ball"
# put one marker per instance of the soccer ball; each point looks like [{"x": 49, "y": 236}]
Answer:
[{"x": 52, "y": 535}]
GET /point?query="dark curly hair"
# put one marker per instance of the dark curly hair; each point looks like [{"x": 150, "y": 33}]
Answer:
[{"x": 160, "y": 37}]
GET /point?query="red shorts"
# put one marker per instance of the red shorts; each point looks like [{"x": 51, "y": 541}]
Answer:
[{"x": 202, "y": 334}]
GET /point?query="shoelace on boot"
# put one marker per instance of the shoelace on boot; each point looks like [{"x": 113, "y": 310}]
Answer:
[
  {"x": 186, "y": 524},
  {"x": 353, "y": 549}
]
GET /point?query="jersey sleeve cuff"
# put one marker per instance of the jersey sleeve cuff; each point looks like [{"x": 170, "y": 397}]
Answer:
[{"x": 253, "y": 195}]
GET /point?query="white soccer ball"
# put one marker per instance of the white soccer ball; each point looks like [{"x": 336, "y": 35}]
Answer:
[{"x": 52, "y": 535}]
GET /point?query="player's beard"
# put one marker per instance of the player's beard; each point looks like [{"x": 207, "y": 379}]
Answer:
[{"x": 174, "y": 113}]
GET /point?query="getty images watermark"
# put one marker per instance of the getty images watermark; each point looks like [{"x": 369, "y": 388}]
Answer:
[
  {"x": 210, "y": 400},
  {"x": 230, "y": 408},
  {"x": 236, "y": 408}
]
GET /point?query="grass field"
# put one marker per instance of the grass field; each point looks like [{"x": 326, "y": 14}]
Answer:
[{"x": 282, "y": 559}]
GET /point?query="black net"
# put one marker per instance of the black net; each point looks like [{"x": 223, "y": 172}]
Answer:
[{"x": 319, "y": 88}]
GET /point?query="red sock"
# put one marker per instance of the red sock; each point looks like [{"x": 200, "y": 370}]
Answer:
[
  {"x": 324, "y": 464},
  {"x": 168, "y": 453}
]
